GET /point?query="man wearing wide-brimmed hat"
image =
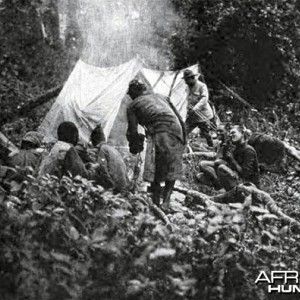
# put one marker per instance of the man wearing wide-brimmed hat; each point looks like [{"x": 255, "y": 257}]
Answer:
[
  {"x": 200, "y": 113},
  {"x": 29, "y": 155}
]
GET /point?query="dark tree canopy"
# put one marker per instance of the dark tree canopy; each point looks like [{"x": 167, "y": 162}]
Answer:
[
  {"x": 252, "y": 46},
  {"x": 32, "y": 57}
]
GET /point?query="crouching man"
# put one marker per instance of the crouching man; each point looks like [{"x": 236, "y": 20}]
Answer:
[
  {"x": 113, "y": 168},
  {"x": 165, "y": 138},
  {"x": 63, "y": 158},
  {"x": 30, "y": 155}
]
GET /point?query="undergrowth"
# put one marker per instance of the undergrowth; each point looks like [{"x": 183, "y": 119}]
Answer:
[{"x": 70, "y": 239}]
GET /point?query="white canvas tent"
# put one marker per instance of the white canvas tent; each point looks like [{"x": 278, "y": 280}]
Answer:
[{"x": 94, "y": 95}]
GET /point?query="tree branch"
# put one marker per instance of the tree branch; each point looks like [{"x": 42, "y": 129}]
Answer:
[{"x": 48, "y": 95}]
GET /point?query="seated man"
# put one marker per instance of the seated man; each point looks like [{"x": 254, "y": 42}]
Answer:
[
  {"x": 240, "y": 164},
  {"x": 29, "y": 155},
  {"x": 63, "y": 157},
  {"x": 114, "y": 172},
  {"x": 207, "y": 167}
]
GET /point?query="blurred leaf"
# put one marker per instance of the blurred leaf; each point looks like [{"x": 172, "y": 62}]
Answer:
[
  {"x": 60, "y": 257},
  {"x": 120, "y": 213},
  {"x": 260, "y": 210},
  {"x": 134, "y": 287},
  {"x": 15, "y": 186},
  {"x": 74, "y": 233},
  {"x": 162, "y": 252}
]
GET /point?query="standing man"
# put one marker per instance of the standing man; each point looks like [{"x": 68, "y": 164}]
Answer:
[
  {"x": 165, "y": 138},
  {"x": 200, "y": 113}
]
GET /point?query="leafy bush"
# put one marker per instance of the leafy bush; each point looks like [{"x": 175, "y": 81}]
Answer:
[{"x": 70, "y": 239}]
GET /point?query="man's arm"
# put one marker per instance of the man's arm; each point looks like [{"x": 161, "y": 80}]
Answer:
[
  {"x": 245, "y": 170},
  {"x": 229, "y": 158},
  {"x": 103, "y": 176},
  {"x": 234, "y": 164},
  {"x": 132, "y": 130},
  {"x": 135, "y": 139},
  {"x": 249, "y": 163}
]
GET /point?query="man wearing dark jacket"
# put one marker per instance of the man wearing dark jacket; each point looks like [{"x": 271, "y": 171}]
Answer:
[
  {"x": 165, "y": 138},
  {"x": 241, "y": 164}
]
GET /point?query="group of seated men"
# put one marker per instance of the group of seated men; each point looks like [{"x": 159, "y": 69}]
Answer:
[
  {"x": 236, "y": 158},
  {"x": 101, "y": 163}
]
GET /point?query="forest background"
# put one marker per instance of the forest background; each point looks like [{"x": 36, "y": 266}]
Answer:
[{"x": 67, "y": 239}]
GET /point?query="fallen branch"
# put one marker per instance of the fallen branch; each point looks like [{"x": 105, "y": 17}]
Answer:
[
  {"x": 7, "y": 117},
  {"x": 292, "y": 151},
  {"x": 199, "y": 198},
  {"x": 48, "y": 95},
  {"x": 208, "y": 155},
  {"x": 243, "y": 191},
  {"x": 235, "y": 94},
  {"x": 158, "y": 212},
  {"x": 240, "y": 194}
]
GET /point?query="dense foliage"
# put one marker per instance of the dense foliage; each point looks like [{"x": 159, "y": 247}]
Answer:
[
  {"x": 252, "y": 46},
  {"x": 69, "y": 239},
  {"x": 32, "y": 57}
]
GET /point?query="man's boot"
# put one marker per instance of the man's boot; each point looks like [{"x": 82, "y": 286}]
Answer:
[
  {"x": 167, "y": 193},
  {"x": 156, "y": 190},
  {"x": 209, "y": 140}
]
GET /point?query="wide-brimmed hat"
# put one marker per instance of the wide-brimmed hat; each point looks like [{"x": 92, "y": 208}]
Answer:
[{"x": 189, "y": 73}]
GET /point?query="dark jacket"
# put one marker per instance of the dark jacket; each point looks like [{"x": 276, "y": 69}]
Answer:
[
  {"x": 245, "y": 156},
  {"x": 154, "y": 113}
]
